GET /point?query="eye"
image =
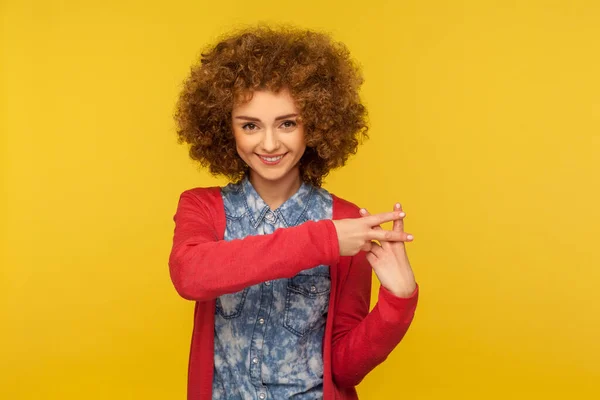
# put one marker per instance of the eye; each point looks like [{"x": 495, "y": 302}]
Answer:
[
  {"x": 288, "y": 124},
  {"x": 250, "y": 127}
]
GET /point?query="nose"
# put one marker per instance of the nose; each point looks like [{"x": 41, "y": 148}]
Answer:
[{"x": 270, "y": 142}]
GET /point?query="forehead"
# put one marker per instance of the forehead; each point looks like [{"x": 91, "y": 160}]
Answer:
[{"x": 266, "y": 104}]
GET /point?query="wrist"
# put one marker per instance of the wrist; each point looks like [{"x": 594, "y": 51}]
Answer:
[
  {"x": 404, "y": 292},
  {"x": 402, "y": 288}
]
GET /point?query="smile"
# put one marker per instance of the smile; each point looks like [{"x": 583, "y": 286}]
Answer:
[{"x": 271, "y": 160}]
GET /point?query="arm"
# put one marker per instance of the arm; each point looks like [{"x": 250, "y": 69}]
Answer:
[
  {"x": 202, "y": 267},
  {"x": 363, "y": 339}
]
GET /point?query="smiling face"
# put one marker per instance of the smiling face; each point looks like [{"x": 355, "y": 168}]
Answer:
[{"x": 269, "y": 138}]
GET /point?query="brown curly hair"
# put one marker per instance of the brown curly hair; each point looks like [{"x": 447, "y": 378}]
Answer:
[{"x": 320, "y": 75}]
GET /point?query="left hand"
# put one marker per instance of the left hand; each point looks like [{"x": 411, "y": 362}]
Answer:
[{"x": 390, "y": 262}]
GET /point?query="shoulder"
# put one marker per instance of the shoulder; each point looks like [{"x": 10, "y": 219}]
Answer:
[
  {"x": 203, "y": 203},
  {"x": 343, "y": 208},
  {"x": 229, "y": 199},
  {"x": 321, "y": 196},
  {"x": 317, "y": 205},
  {"x": 204, "y": 200},
  {"x": 203, "y": 194}
]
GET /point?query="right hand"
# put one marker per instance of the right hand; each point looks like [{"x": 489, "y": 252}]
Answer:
[{"x": 356, "y": 234}]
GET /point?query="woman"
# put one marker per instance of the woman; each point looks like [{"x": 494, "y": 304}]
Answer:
[{"x": 279, "y": 268}]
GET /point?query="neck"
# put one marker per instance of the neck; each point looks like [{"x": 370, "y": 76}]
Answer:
[{"x": 275, "y": 193}]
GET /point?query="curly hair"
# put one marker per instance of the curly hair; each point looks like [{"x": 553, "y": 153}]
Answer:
[{"x": 320, "y": 75}]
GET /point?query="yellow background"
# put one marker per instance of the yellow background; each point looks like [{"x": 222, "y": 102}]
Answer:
[{"x": 485, "y": 125}]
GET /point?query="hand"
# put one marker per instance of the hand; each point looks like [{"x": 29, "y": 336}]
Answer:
[
  {"x": 356, "y": 234},
  {"x": 390, "y": 262}
]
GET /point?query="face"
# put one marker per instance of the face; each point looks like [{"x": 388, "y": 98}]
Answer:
[{"x": 269, "y": 136}]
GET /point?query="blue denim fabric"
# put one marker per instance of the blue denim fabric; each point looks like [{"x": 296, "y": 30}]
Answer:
[{"x": 269, "y": 337}]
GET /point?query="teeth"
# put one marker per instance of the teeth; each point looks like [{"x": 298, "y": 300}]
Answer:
[{"x": 272, "y": 159}]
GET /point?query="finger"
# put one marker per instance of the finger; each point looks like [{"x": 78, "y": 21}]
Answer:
[
  {"x": 378, "y": 219},
  {"x": 389, "y": 236},
  {"x": 377, "y": 249},
  {"x": 367, "y": 246},
  {"x": 399, "y": 223},
  {"x": 371, "y": 258},
  {"x": 364, "y": 212}
]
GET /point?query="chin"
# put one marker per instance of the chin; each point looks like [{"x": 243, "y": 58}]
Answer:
[{"x": 271, "y": 174}]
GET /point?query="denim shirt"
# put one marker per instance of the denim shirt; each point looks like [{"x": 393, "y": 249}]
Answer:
[{"x": 269, "y": 337}]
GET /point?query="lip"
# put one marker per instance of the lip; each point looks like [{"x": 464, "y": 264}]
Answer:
[{"x": 264, "y": 161}]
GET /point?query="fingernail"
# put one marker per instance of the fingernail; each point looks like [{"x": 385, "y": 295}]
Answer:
[
  {"x": 398, "y": 205},
  {"x": 403, "y": 214},
  {"x": 362, "y": 211},
  {"x": 409, "y": 237}
]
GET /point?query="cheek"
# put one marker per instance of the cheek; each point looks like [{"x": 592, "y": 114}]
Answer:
[
  {"x": 302, "y": 145},
  {"x": 299, "y": 141},
  {"x": 241, "y": 142}
]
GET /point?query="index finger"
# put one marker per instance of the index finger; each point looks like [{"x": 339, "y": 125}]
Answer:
[
  {"x": 378, "y": 219},
  {"x": 399, "y": 223},
  {"x": 388, "y": 236},
  {"x": 384, "y": 244}
]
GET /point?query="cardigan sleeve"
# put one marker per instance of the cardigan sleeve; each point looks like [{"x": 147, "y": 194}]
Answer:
[
  {"x": 203, "y": 266},
  {"x": 362, "y": 339}
]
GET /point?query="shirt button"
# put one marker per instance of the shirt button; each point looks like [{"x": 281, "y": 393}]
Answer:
[
  {"x": 261, "y": 321},
  {"x": 262, "y": 396},
  {"x": 268, "y": 283},
  {"x": 270, "y": 216},
  {"x": 313, "y": 288},
  {"x": 255, "y": 360}
]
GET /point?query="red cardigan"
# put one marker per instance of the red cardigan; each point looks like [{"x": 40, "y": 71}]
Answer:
[{"x": 203, "y": 266}]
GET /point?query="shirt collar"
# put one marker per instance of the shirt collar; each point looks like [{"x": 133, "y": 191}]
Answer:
[{"x": 290, "y": 212}]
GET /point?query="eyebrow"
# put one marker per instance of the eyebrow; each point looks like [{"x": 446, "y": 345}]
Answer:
[{"x": 246, "y": 118}]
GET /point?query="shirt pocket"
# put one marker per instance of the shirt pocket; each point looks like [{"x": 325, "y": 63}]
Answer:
[
  {"x": 307, "y": 300},
  {"x": 230, "y": 306}
]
